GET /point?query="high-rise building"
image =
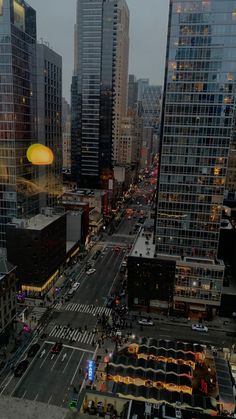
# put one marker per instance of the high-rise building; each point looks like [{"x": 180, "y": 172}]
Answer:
[
  {"x": 230, "y": 185},
  {"x": 197, "y": 126},
  {"x": 66, "y": 135},
  {"x": 151, "y": 106},
  {"x": 132, "y": 93},
  {"x": 99, "y": 88},
  {"x": 142, "y": 84},
  {"x": 49, "y": 113},
  {"x": 127, "y": 153},
  {"x": 18, "y": 192}
]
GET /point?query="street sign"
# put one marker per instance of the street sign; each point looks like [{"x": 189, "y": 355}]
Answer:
[{"x": 91, "y": 368}]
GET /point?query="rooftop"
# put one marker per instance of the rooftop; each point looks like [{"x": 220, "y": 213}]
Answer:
[
  {"x": 38, "y": 222},
  {"x": 84, "y": 192},
  {"x": 5, "y": 267},
  {"x": 143, "y": 245}
]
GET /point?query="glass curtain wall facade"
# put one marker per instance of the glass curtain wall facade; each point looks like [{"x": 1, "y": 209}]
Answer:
[
  {"x": 151, "y": 106},
  {"x": 49, "y": 112},
  {"x": 93, "y": 91},
  {"x": 18, "y": 193},
  {"x": 197, "y": 123}
]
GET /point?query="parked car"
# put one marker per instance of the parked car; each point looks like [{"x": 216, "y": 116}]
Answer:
[
  {"x": 199, "y": 327},
  {"x": 75, "y": 286},
  {"x": 122, "y": 293},
  {"x": 57, "y": 347},
  {"x": 33, "y": 350},
  {"x": 97, "y": 254},
  {"x": 21, "y": 368},
  {"x": 90, "y": 271},
  {"x": 145, "y": 322}
]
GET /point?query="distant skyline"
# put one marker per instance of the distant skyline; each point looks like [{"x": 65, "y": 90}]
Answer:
[{"x": 148, "y": 32}]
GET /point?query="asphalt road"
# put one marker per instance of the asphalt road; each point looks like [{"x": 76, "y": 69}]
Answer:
[
  {"x": 162, "y": 330},
  {"x": 51, "y": 378}
]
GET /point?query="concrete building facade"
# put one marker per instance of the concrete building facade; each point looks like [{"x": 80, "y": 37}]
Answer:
[
  {"x": 37, "y": 246},
  {"x": 8, "y": 288},
  {"x": 66, "y": 136}
]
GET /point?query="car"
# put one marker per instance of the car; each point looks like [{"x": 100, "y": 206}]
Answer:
[
  {"x": 71, "y": 293},
  {"x": 90, "y": 271},
  {"x": 21, "y": 368},
  {"x": 33, "y": 350},
  {"x": 57, "y": 347},
  {"x": 75, "y": 286},
  {"x": 97, "y": 254},
  {"x": 145, "y": 322},
  {"x": 122, "y": 293},
  {"x": 199, "y": 327}
]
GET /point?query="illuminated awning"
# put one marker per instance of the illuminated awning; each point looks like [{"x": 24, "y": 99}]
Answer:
[{"x": 196, "y": 307}]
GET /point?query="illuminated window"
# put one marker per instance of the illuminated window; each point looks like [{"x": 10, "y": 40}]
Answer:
[
  {"x": 234, "y": 16},
  {"x": 1, "y": 7}
]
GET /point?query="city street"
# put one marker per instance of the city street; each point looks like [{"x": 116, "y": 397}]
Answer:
[
  {"x": 52, "y": 378},
  {"x": 73, "y": 322},
  {"x": 162, "y": 330}
]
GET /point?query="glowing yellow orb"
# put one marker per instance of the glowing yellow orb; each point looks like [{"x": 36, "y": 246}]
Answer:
[{"x": 39, "y": 154}]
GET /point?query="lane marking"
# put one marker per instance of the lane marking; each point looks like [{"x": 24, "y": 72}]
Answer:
[
  {"x": 72, "y": 380},
  {"x": 57, "y": 358},
  {"x": 71, "y": 347},
  {"x": 68, "y": 361},
  {"x": 45, "y": 358}
]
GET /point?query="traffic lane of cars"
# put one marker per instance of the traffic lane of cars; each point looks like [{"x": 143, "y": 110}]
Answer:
[
  {"x": 58, "y": 372},
  {"x": 89, "y": 269},
  {"x": 108, "y": 277},
  {"x": 96, "y": 286},
  {"x": 181, "y": 332}
]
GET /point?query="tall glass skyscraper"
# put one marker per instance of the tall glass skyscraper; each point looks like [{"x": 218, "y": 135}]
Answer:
[
  {"x": 197, "y": 124},
  {"x": 49, "y": 113},
  {"x": 18, "y": 192},
  {"x": 99, "y": 88}
]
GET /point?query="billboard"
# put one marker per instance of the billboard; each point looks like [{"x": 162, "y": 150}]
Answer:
[{"x": 91, "y": 369}]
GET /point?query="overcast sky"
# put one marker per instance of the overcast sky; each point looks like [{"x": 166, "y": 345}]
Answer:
[{"x": 148, "y": 28}]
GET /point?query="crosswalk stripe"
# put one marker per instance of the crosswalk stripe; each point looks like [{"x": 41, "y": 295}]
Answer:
[
  {"x": 84, "y": 308},
  {"x": 107, "y": 311},
  {"x": 100, "y": 309},
  {"x": 91, "y": 338},
  {"x": 85, "y": 337},
  {"x": 76, "y": 334}
]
